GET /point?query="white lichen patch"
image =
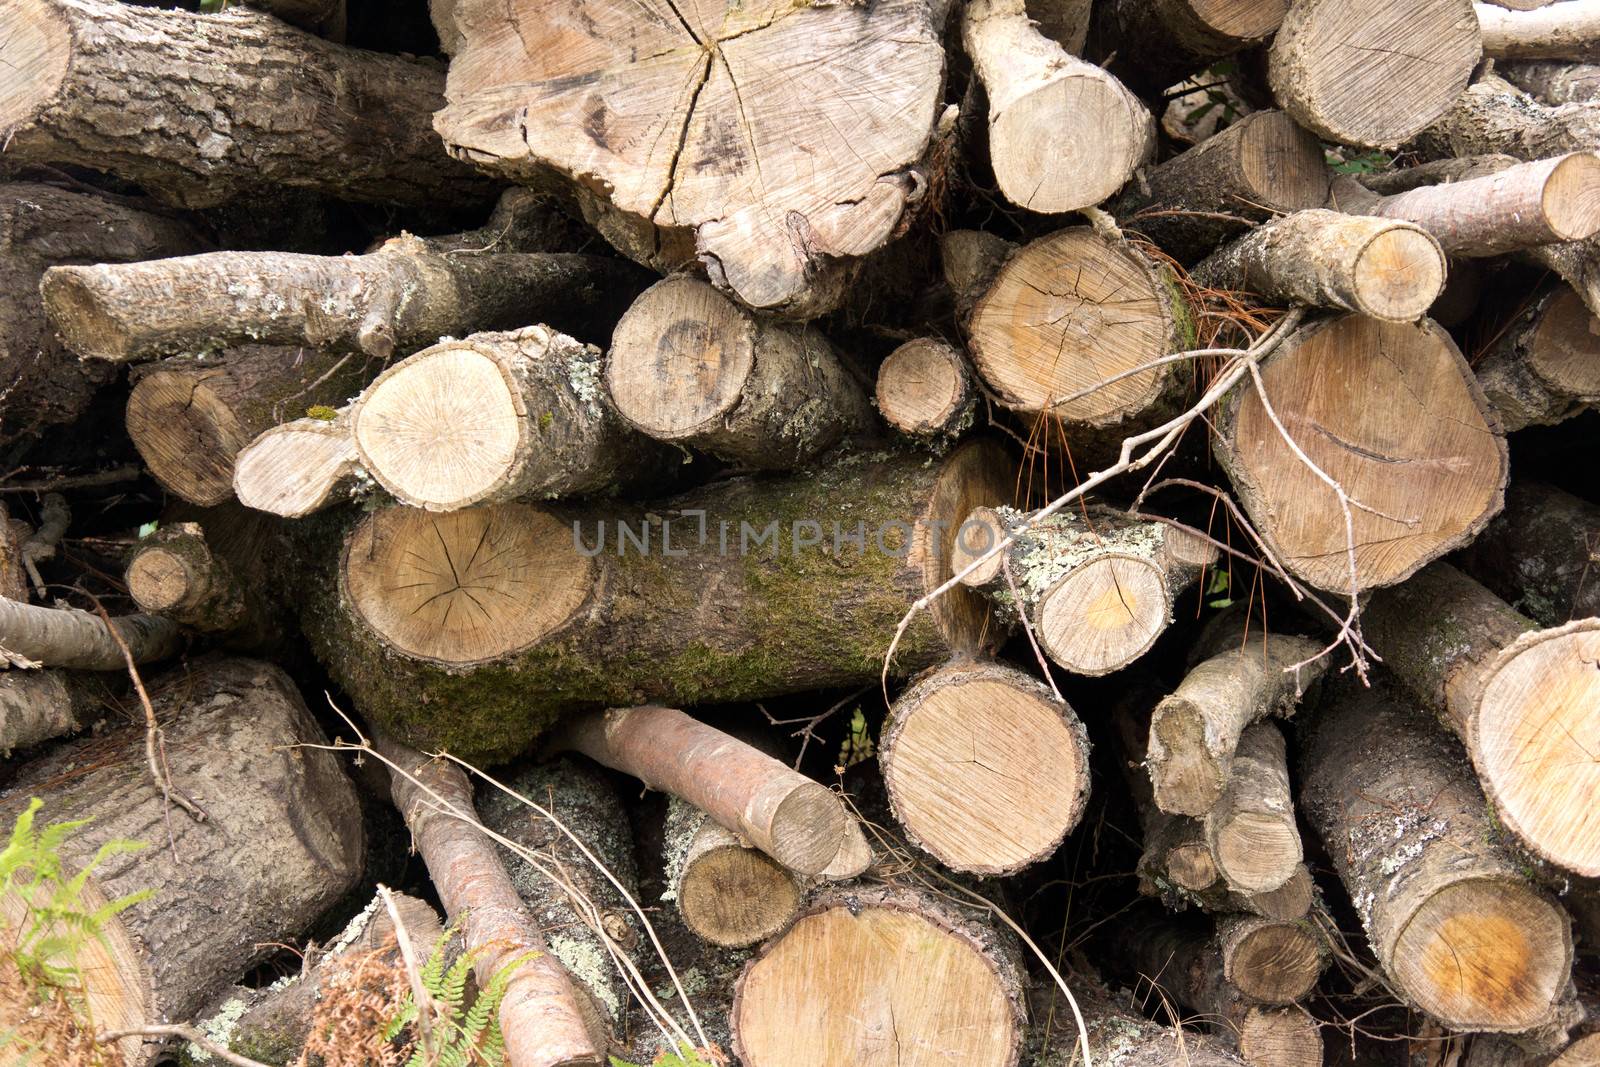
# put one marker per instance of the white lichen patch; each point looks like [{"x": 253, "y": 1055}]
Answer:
[
  {"x": 218, "y": 1029},
  {"x": 589, "y": 963}
]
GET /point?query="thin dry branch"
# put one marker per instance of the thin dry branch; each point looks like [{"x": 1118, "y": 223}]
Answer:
[{"x": 186, "y": 1033}]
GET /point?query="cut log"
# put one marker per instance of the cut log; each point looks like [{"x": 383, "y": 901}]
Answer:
[
  {"x": 1524, "y": 701},
  {"x": 969, "y": 261},
  {"x": 36, "y": 705},
  {"x": 547, "y": 1019},
  {"x": 693, "y": 125},
  {"x": 986, "y": 770},
  {"x": 42, "y": 226},
  {"x": 68, "y": 637},
  {"x": 1063, "y": 133},
  {"x": 512, "y": 614},
  {"x": 1458, "y": 931},
  {"x": 1117, "y": 1031},
  {"x": 1543, "y": 367},
  {"x": 1195, "y": 730},
  {"x": 300, "y": 467},
  {"x": 1538, "y": 554},
  {"x": 886, "y": 975},
  {"x": 1269, "y": 960},
  {"x": 572, "y": 901},
  {"x": 281, "y": 843},
  {"x": 1494, "y": 1051},
  {"x": 198, "y": 109},
  {"x": 795, "y": 820},
  {"x": 495, "y": 417},
  {"x": 1494, "y": 116},
  {"x": 1097, "y": 586},
  {"x": 389, "y": 302},
  {"x": 1413, "y": 446},
  {"x": 1251, "y": 829},
  {"x": 1414, "y": 60},
  {"x": 173, "y": 572},
  {"x": 925, "y": 389},
  {"x": 190, "y": 418},
  {"x": 689, "y": 365},
  {"x": 1159, "y": 44},
  {"x": 726, "y": 892},
  {"x": 1554, "y": 81},
  {"x": 1569, "y": 30},
  {"x": 1261, "y": 166},
  {"x": 1068, "y": 313},
  {"x": 1379, "y": 268}
]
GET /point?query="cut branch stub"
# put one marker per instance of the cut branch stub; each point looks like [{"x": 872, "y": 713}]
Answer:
[
  {"x": 727, "y": 892},
  {"x": 689, "y": 365},
  {"x": 298, "y": 468},
  {"x": 1411, "y": 443},
  {"x": 778, "y": 134},
  {"x": 174, "y": 573},
  {"x": 1373, "y": 76},
  {"x": 35, "y": 636},
  {"x": 1063, "y": 133},
  {"x": 1545, "y": 365},
  {"x": 985, "y": 769},
  {"x": 925, "y": 389}
]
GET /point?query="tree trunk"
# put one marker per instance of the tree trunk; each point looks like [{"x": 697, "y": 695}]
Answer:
[
  {"x": 1259, "y": 167},
  {"x": 1538, "y": 554},
  {"x": 282, "y": 840},
  {"x": 1097, "y": 587},
  {"x": 796, "y": 821},
  {"x": 300, "y": 467},
  {"x": 1540, "y": 369},
  {"x": 1382, "y": 269},
  {"x": 1570, "y": 30},
  {"x": 689, "y": 365},
  {"x": 1457, "y": 930},
  {"x": 201, "y": 108},
  {"x": 67, "y": 637},
  {"x": 1251, "y": 829},
  {"x": 1414, "y": 446},
  {"x": 1068, "y": 313},
  {"x": 324, "y": 17},
  {"x": 546, "y": 1017},
  {"x": 925, "y": 389},
  {"x": 551, "y": 610},
  {"x": 986, "y": 770},
  {"x": 1493, "y": 116},
  {"x": 402, "y": 297},
  {"x": 190, "y": 418},
  {"x": 1063, "y": 133},
  {"x": 1195, "y": 731},
  {"x": 1523, "y": 701},
  {"x": 726, "y": 892},
  {"x": 1414, "y": 61},
  {"x": 1159, "y": 44},
  {"x": 42, "y": 226},
  {"x": 1554, "y": 81},
  {"x": 694, "y": 128},
  {"x": 890, "y": 975},
  {"x": 496, "y": 417},
  {"x": 37, "y": 705}
]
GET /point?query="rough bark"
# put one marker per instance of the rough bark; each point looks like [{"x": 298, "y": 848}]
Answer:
[
  {"x": 1261, "y": 166},
  {"x": 1569, "y": 30},
  {"x": 1383, "y": 269},
  {"x": 888, "y": 972},
  {"x": 925, "y": 389},
  {"x": 43, "y": 226},
  {"x": 546, "y": 1017},
  {"x": 1457, "y": 930},
  {"x": 1063, "y": 133},
  {"x": 1493, "y": 116},
  {"x": 690, "y": 366},
  {"x": 33, "y": 636},
  {"x": 1098, "y": 587},
  {"x": 1119, "y": 1034},
  {"x": 1494, "y": 1051},
  {"x": 550, "y": 610},
  {"x": 697, "y": 129},
  {"x": 389, "y": 302},
  {"x": 1538, "y": 554},
  {"x": 190, "y": 418},
  {"x": 1415, "y": 444},
  {"x": 725, "y": 891},
  {"x": 795, "y": 820},
  {"x": 1251, "y": 828},
  {"x": 1522, "y": 700},
  {"x": 201, "y": 108},
  {"x": 1159, "y": 44},
  {"x": 969, "y": 261},
  {"x": 300, "y": 467},
  {"x": 1415, "y": 60},
  {"x": 1540, "y": 369},
  {"x": 36, "y": 705},
  {"x": 1554, "y": 81},
  {"x": 495, "y": 417},
  {"x": 282, "y": 840},
  {"x": 1002, "y": 805},
  {"x": 1195, "y": 731}
]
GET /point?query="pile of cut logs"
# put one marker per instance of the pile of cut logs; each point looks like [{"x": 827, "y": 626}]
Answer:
[{"x": 841, "y": 533}]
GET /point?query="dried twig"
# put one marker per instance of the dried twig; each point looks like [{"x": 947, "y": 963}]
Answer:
[
  {"x": 114, "y": 476},
  {"x": 54, "y": 518},
  {"x": 807, "y": 732},
  {"x": 187, "y": 1033},
  {"x": 427, "y": 1007}
]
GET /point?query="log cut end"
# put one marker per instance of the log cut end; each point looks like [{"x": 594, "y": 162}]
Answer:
[
  {"x": 981, "y": 531},
  {"x": 1398, "y": 274},
  {"x": 1563, "y": 349},
  {"x": 160, "y": 579},
  {"x": 1571, "y": 198},
  {"x": 187, "y": 435},
  {"x": 869, "y": 976},
  {"x": 1279, "y": 1037},
  {"x": 1273, "y": 962},
  {"x": 807, "y": 828},
  {"x": 985, "y": 770},
  {"x": 1282, "y": 164},
  {"x": 1256, "y": 847},
  {"x": 1191, "y": 866},
  {"x": 84, "y": 315},
  {"x": 976, "y": 474},
  {"x": 1241, "y": 20},
  {"x": 296, "y": 469},
  {"x": 1535, "y": 732},
  {"x": 924, "y": 387},
  {"x": 1105, "y": 614},
  {"x": 734, "y": 895},
  {"x": 1478, "y": 954},
  {"x": 35, "y": 51},
  {"x": 457, "y": 589}
]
